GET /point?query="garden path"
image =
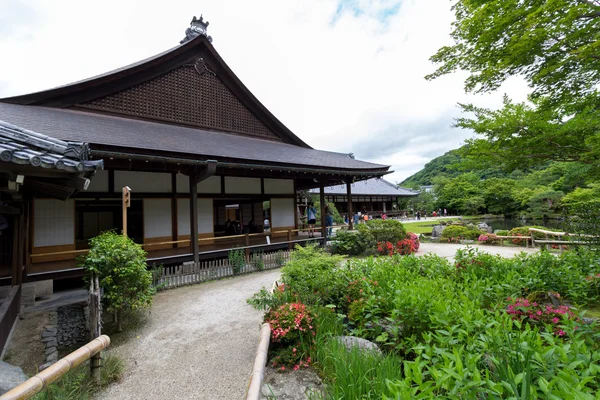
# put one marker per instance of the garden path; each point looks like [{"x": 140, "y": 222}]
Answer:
[
  {"x": 448, "y": 250},
  {"x": 199, "y": 343}
]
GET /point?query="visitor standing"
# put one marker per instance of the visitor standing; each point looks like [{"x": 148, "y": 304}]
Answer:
[
  {"x": 311, "y": 216},
  {"x": 418, "y": 215},
  {"x": 355, "y": 219},
  {"x": 328, "y": 219}
]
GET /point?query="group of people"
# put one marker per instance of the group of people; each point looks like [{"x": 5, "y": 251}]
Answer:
[
  {"x": 424, "y": 214},
  {"x": 235, "y": 227}
]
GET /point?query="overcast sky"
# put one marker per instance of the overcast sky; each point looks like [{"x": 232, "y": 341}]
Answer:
[{"x": 344, "y": 75}]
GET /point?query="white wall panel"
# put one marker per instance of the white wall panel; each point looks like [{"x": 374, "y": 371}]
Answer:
[
  {"x": 205, "y": 216},
  {"x": 282, "y": 212},
  {"x": 53, "y": 222},
  {"x": 157, "y": 218},
  {"x": 210, "y": 185},
  {"x": 143, "y": 182},
  {"x": 99, "y": 182},
  {"x": 237, "y": 185},
  {"x": 279, "y": 186}
]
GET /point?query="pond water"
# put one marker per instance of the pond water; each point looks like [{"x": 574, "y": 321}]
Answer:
[{"x": 509, "y": 223}]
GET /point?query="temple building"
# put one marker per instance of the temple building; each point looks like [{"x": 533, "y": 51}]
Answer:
[
  {"x": 372, "y": 196},
  {"x": 200, "y": 154}
]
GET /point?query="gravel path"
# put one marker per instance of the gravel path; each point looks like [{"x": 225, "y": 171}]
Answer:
[
  {"x": 448, "y": 250},
  {"x": 199, "y": 343}
]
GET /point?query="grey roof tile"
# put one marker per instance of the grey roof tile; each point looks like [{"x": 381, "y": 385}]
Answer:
[
  {"x": 102, "y": 129},
  {"x": 369, "y": 187},
  {"x": 22, "y": 146}
]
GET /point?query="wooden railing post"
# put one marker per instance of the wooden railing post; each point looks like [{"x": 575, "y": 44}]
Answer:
[{"x": 289, "y": 238}]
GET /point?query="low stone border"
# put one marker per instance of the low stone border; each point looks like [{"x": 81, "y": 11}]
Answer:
[
  {"x": 260, "y": 362},
  {"x": 50, "y": 341}
]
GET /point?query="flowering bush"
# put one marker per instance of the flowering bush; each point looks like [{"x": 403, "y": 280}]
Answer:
[
  {"x": 533, "y": 312},
  {"x": 292, "y": 333},
  {"x": 487, "y": 238},
  {"x": 403, "y": 247}
]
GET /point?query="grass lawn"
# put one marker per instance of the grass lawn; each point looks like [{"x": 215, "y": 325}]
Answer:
[{"x": 424, "y": 225}]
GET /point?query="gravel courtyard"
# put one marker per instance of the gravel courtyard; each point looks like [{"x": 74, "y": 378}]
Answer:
[{"x": 200, "y": 341}]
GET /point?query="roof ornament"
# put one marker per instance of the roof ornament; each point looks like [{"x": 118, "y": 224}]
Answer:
[{"x": 197, "y": 27}]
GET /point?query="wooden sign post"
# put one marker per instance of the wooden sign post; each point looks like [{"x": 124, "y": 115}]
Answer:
[{"x": 126, "y": 204}]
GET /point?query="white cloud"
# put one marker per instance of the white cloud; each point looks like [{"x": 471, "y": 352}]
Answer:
[{"x": 345, "y": 78}]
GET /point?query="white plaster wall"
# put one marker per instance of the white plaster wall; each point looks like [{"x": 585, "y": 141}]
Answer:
[
  {"x": 53, "y": 222},
  {"x": 279, "y": 186},
  {"x": 282, "y": 212},
  {"x": 99, "y": 183},
  {"x": 143, "y": 182},
  {"x": 205, "y": 216},
  {"x": 157, "y": 218},
  {"x": 236, "y": 185},
  {"x": 210, "y": 185}
]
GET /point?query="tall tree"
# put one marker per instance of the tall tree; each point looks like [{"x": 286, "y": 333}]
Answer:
[{"x": 554, "y": 45}]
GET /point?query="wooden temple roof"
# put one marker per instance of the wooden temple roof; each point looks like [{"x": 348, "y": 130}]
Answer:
[{"x": 185, "y": 102}]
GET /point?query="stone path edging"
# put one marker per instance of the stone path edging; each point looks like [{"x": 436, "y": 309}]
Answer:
[{"x": 50, "y": 341}]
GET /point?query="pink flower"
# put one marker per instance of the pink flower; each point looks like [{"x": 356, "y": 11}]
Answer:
[
  {"x": 296, "y": 367},
  {"x": 282, "y": 368},
  {"x": 555, "y": 320},
  {"x": 560, "y": 332}
]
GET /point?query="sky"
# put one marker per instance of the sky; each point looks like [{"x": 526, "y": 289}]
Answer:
[{"x": 343, "y": 75}]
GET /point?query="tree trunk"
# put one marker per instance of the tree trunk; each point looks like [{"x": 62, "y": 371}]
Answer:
[{"x": 120, "y": 320}]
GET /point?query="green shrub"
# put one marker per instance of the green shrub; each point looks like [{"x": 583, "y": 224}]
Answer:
[
  {"x": 257, "y": 261},
  {"x": 502, "y": 232},
  {"x": 120, "y": 265},
  {"x": 389, "y": 230},
  {"x": 457, "y": 232},
  {"x": 365, "y": 239},
  {"x": 352, "y": 243},
  {"x": 237, "y": 260}
]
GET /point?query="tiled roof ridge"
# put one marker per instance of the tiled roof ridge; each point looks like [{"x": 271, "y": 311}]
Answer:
[{"x": 23, "y": 146}]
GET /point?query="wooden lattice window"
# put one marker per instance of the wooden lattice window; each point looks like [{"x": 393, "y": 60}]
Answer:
[{"x": 186, "y": 96}]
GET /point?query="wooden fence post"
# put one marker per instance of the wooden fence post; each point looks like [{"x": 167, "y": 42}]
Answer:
[{"x": 289, "y": 238}]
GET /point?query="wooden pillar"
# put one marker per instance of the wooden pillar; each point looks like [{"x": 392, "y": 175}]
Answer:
[
  {"x": 28, "y": 220},
  {"x": 349, "y": 199},
  {"x": 194, "y": 218},
  {"x": 22, "y": 252},
  {"x": 14, "y": 221},
  {"x": 197, "y": 176},
  {"x": 174, "y": 210},
  {"x": 322, "y": 200}
]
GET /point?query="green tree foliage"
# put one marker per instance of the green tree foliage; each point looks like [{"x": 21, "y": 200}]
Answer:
[
  {"x": 444, "y": 165},
  {"x": 120, "y": 264},
  {"x": 554, "y": 46}
]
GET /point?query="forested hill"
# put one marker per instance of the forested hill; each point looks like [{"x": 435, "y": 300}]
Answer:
[
  {"x": 448, "y": 166},
  {"x": 442, "y": 165}
]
